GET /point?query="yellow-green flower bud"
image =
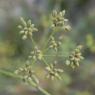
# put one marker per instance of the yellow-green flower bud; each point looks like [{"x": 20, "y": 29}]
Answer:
[
  {"x": 26, "y": 29},
  {"x": 75, "y": 57}
]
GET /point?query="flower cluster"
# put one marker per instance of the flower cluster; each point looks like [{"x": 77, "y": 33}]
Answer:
[
  {"x": 27, "y": 73},
  {"x": 53, "y": 72},
  {"x": 75, "y": 57},
  {"x": 26, "y": 29},
  {"x": 58, "y": 20},
  {"x": 54, "y": 44},
  {"x": 36, "y": 54}
]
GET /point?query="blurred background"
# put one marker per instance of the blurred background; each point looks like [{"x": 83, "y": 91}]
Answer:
[{"x": 14, "y": 51}]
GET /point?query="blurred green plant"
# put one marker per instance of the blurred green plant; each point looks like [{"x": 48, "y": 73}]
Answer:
[{"x": 37, "y": 54}]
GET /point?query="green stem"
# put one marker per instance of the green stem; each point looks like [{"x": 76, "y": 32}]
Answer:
[
  {"x": 45, "y": 61},
  {"x": 54, "y": 55},
  {"x": 39, "y": 88},
  {"x": 48, "y": 41},
  {"x": 43, "y": 91},
  {"x": 7, "y": 73}
]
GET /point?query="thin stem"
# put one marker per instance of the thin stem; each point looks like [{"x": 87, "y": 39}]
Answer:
[
  {"x": 45, "y": 61},
  {"x": 54, "y": 55},
  {"x": 43, "y": 91},
  {"x": 30, "y": 82},
  {"x": 48, "y": 40},
  {"x": 7, "y": 73},
  {"x": 39, "y": 88}
]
